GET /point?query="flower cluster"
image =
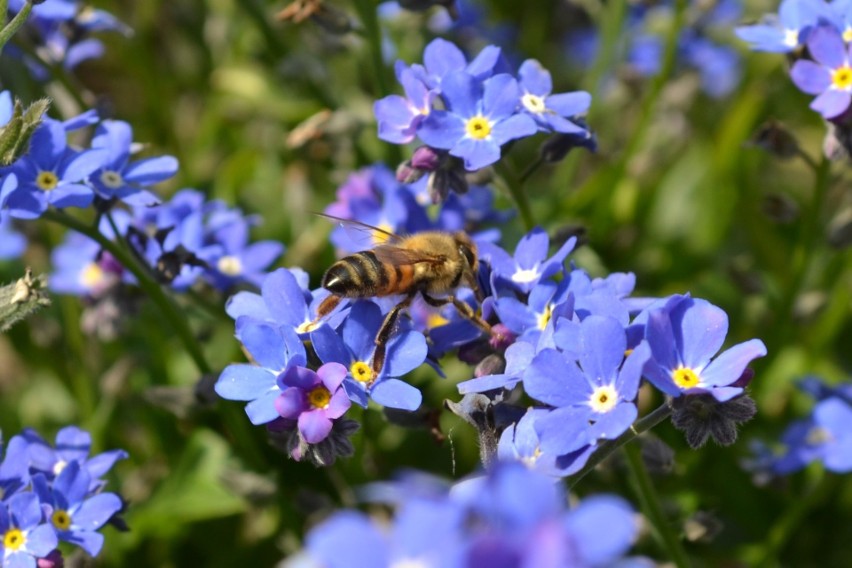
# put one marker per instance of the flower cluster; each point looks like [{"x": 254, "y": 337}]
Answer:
[
  {"x": 507, "y": 517},
  {"x": 61, "y": 31},
  {"x": 472, "y": 109},
  {"x": 579, "y": 345},
  {"x": 50, "y": 494},
  {"x": 825, "y": 29},
  {"x": 823, "y": 436},
  {"x": 181, "y": 242}
]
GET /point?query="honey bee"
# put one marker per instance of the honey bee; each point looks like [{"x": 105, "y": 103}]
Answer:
[{"x": 432, "y": 264}]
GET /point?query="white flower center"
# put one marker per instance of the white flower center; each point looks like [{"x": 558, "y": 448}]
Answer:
[
  {"x": 603, "y": 399},
  {"x": 230, "y": 266},
  {"x": 533, "y": 103},
  {"x": 112, "y": 179}
]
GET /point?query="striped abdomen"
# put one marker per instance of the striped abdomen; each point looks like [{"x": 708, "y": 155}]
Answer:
[{"x": 362, "y": 275}]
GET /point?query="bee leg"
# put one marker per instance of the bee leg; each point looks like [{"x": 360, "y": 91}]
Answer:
[
  {"x": 385, "y": 332},
  {"x": 465, "y": 310},
  {"x": 326, "y": 307}
]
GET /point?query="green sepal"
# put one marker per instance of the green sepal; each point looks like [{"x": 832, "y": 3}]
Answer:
[
  {"x": 21, "y": 299},
  {"x": 15, "y": 135}
]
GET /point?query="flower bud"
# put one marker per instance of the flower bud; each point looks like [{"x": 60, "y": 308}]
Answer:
[{"x": 427, "y": 159}]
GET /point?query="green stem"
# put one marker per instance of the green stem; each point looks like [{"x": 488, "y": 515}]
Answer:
[
  {"x": 152, "y": 288},
  {"x": 370, "y": 20},
  {"x": 781, "y": 532},
  {"x": 803, "y": 252},
  {"x": 9, "y": 29},
  {"x": 515, "y": 188},
  {"x": 607, "y": 449},
  {"x": 646, "y": 116},
  {"x": 650, "y": 503}
]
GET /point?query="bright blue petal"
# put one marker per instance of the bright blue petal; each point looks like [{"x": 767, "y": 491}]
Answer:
[
  {"x": 730, "y": 364},
  {"x": 245, "y": 382},
  {"x": 151, "y": 170},
  {"x": 394, "y": 393}
]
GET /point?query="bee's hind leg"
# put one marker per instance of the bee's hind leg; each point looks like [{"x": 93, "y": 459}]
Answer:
[
  {"x": 464, "y": 309},
  {"x": 385, "y": 333}
]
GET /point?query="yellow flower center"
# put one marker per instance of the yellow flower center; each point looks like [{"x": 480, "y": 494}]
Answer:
[
  {"x": 544, "y": 317},
  {"x": 436, "y": 320},
  {"x": 533, "y": 103},
  {"x": 14, "y": 539},
  {"x": 478, "y": 128},
  {"x": 111, "y": 179},
  {"x": 818, "y": 436},
  {"x": 61, "y": 520},
  {"x": 92, "y": 275},
  {"x": 319, "y": 397},
  {"x": 308, "y": 326},
  {"x": 380, "y": 237},
  {"x": 604, "y": 399},
  {"x": 841, "y": 78},
  {"x": 847, "y": 34},
  {"x": 47, "y": 180},
  {"x": 685, "y": 378},
  {"x": 361, "y": 371},
  {"x": 230, "y": 266}
]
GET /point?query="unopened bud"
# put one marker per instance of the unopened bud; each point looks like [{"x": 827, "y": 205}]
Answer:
[
  {"x": 773, "y": 137},
  {"x": 501, "y": 337},
  {"x": 493, "y": 364},
  {"x": 427, "y": 159},
  {"x": 406, "y": 173}
]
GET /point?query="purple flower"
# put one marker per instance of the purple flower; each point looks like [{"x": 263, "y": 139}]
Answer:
[
  {"x": 552, "y": 113},
  {"x": 592, "y": 401},
  {"x": 24, "y": 536},
  {"x": 829, "y": 76},
  {"x": 684, "y": 336},
  {"x": 74, "y": 512},
  {"x": 52, "y": 173},
  {"x": 313, "y": 399},
  {"x": 399, "y": 117},
  {"x": 480, "y": 118},
  {"x": 121, "y": 179}
]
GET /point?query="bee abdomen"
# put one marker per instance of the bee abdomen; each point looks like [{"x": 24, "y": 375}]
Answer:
[{"x": 356, "y": 276}]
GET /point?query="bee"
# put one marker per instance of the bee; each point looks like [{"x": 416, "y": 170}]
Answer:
[{"x": 431, "y": 264}]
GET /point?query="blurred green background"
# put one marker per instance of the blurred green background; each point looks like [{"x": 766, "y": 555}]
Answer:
[{"x": 273, "y": 116}]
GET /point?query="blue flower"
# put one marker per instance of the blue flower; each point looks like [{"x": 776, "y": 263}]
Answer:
[
  {"x": 118, "y": 177},
  {"x": 273, "y": 349},
  {"x": 552, "y": 113},
  {"x": 354, "y": 347},
  {"x": 81, "y": 268},
  {"x": 7, "y": 108},
  {"x": 24, "y": 536},
  {"x": 399, "y": 117},
  {"x": 72, "y": 445},
  {"x": 15, "y": 467},
  {"x": 684, "y": 336},
  {"x": 12, "y": 243},
  {"x": 75, "y": 513},
  {"x": 520, "y": 442},
  {"x": 829, "y": 75},
  {"x": 52, "y": 173},
  {"x": 238, "y": 260},
  {"x": 530, "y": 263},
  {"x": 480, "y": 118},
  {"x": 528, "y": 319},
  {"x": 593, "y": 401},
  {"x": 789, "y": 30},
  {"x": 313, "y": 399},
  {"x": 825, "y": 435},
  {"x": 441, "y": 58}
]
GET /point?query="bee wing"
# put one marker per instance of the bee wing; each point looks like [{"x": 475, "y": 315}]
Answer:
[
  {"x": 399, "y": 256},
  {"x": 363, "y": 236}
]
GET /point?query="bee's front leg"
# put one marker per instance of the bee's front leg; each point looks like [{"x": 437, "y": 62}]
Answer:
[
  {"x": 464, "y": 309},
  {"x": 385, "y": 332}
]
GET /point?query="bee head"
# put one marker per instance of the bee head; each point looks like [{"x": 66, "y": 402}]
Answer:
[{"x": 467, "y": 250}]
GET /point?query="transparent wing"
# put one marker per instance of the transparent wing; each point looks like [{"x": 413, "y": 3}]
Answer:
[
  {"x": 361, "y": 235},
  {"x": 400, "y": 256}
]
